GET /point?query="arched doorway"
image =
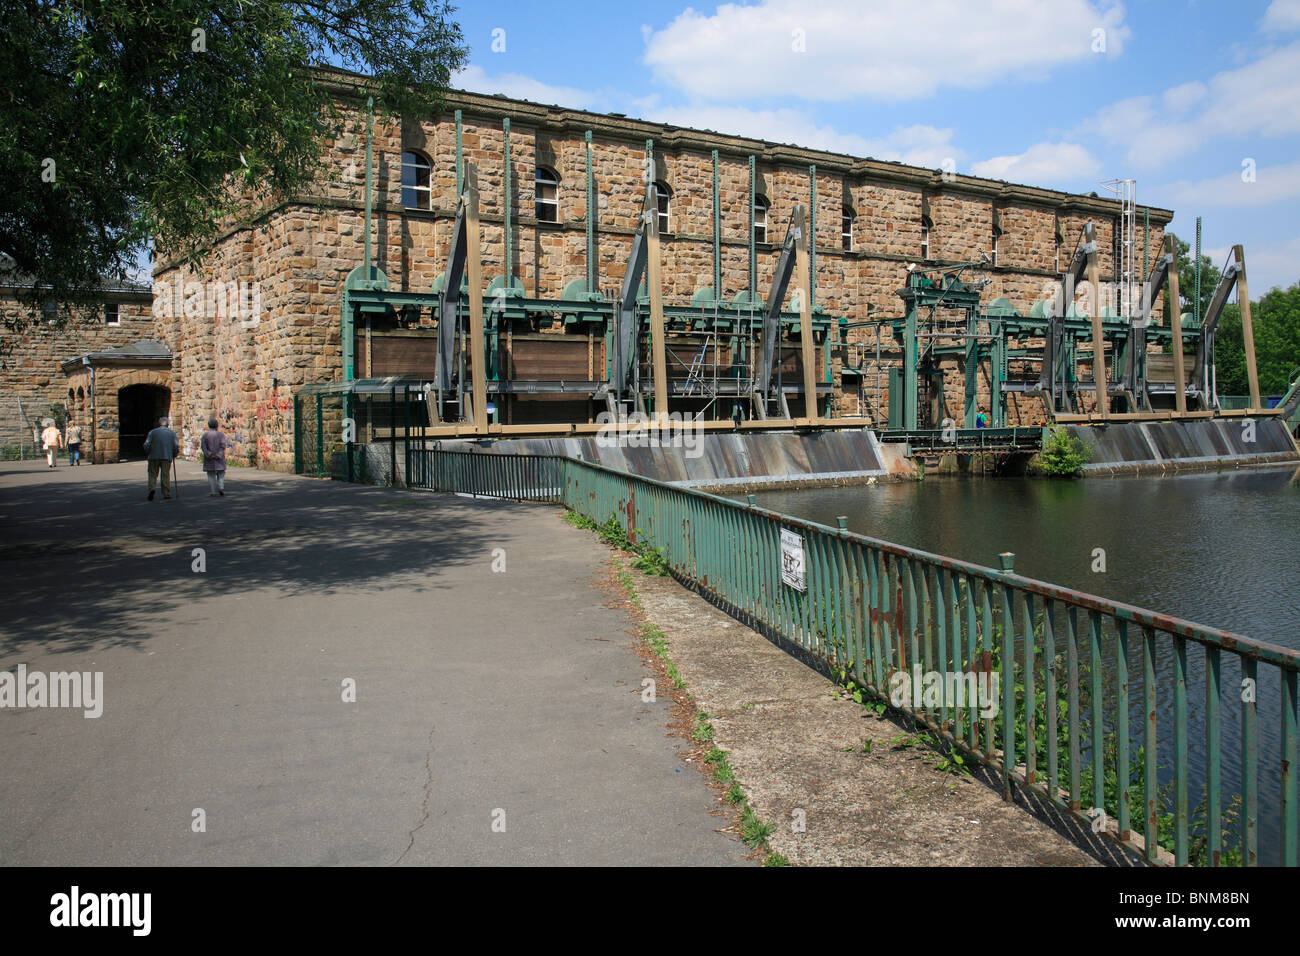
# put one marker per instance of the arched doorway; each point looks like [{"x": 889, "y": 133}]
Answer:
[{"x": 138, "y": 409}]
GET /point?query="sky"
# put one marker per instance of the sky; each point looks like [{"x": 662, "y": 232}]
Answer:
[{"x": 1199, "y": 102}]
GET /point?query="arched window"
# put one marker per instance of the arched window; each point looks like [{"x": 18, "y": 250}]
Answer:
[
  {"x": 548, "y": 195},
  {"x": 416, "y": 171},
  {"x": 760, "y": 219},
  {"x": 664, "y": 197},
  {"x": 846, "y": 229}
]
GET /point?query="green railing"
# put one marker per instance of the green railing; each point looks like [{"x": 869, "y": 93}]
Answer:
[
  {"x": 1087, "y": 703},
  {"x": 521, "y": 477},
  {"x": 967, "y": 440}
]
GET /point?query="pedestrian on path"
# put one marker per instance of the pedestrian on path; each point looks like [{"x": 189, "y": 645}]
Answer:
[
  {"x": 162, "y": 447},
  {"x": 52, "y": 439},
  {"x": 213, "y": 444},
  {"x": 74, "y": 444}
]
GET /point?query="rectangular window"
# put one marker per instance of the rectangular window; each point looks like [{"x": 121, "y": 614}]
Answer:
[
  {"x": 110, "y": 314},
  {"x": 547, "y": 195},
  {"x": 925, "y": 242},
  {"x": 993, "y": 259},
  {"x": 760, "y": 221},
  {"x": 417, "y": 192}
]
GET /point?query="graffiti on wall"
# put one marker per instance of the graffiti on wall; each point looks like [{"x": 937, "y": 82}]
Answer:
[{"x": 274, "y": 429}]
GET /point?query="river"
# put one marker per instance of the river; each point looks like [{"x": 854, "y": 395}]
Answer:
[{"x": 1218, "y": 549}]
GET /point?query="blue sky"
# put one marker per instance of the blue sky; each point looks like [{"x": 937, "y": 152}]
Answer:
[{"x": 1058, "y": 93}]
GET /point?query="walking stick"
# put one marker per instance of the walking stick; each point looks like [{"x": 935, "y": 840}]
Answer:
[{"x": 176, "y": 480}]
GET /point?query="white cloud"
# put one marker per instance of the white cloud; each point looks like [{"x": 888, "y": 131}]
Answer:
[
  {"x": 917, "y": 145},
  {"x": 1282, "y": 15},
  {"x": 1043, "y": 164},
  {"x": 1179, "y": 99},
  {"x": 843, "y": 49},
  {"x": 1272, "y": 184},
  {"x": 1260, "y": 98},
  {"x": 1271, "y": 265},
  {"x": 478, "y": 80}
]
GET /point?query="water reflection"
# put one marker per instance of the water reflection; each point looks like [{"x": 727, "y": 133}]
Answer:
[{"x": 1218, "y": 549}]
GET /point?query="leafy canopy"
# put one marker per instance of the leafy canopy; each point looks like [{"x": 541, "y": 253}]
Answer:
[
  {"x": 126, "y": 122},
  {"x": 1275, "y": 319}
]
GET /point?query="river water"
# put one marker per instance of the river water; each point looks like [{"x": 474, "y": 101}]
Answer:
[{"x": 1218, "y": 549}]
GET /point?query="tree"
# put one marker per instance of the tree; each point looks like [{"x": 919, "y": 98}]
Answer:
[
  {"x": 1275, "y": 319},
  {"x": 135, "y": 121},
  {"x": 1277, "y": 338}
]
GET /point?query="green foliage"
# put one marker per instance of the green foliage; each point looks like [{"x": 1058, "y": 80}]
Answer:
[
  {"x": 722, "y": 772},
  {"x": 1063, "y": 456},
  {"x": 753, "y": 830},
  {"x": 703, "y": 730},
  {"x": 611, "y": 532},
  {"x": 1275, "y": 319},
  {"x": 160, "y": 135},
  {"x": 776, "y": 859},
  {"x": 954, "y": 763},
  {"x": 656, "y": 639},
  {"x": 647, "y": 560},
  {"x": 579, "y": 521},
  {"x": 652, "y": 561},
  {"x": 736, "y": 794}
]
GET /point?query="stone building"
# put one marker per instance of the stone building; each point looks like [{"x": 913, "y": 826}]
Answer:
[
  {"x": 35, "y": 379},
  {"x": 261, "y": 315}
]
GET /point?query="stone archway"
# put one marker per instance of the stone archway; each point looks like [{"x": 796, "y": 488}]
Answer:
[{"x": 139, "y": 406}]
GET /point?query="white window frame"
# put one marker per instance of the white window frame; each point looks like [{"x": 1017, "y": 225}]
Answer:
[
  {"x": 847, "y": 219},
  {"x": 425, "y": 192},
  {"x": 116, "y": 313},
  {"x": 551, "y": 179},
  {"x": 760, "y": 218},
  {"x": 663, "y": 203},
  {"x": 925, "y": 242}
]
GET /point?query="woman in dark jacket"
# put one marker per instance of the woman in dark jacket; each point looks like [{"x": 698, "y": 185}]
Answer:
[{"x": 213, "y": 445}]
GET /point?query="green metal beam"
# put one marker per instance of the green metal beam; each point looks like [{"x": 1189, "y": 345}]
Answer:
[
  {"x": 591, "y": 221},
  {"x": 507, "y": 185},
  {"x": 460, "y": 164},
  {"x": 753, "y": 253},
  {"x": 717, "y": 234},
  {"x": 812, "y": 237}
]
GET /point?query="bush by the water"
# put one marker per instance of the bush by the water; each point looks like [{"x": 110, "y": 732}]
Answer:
[{"x": 1063, "y": 456}]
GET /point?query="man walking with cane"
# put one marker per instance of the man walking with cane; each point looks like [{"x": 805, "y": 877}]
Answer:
[{"x": 162, "y": 447}]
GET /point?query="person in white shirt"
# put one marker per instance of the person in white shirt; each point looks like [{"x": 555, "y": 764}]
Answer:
[{"x": 52, "y": 439}]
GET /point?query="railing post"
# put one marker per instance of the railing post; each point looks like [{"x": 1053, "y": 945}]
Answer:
[{"x": 1008, "y": 560}]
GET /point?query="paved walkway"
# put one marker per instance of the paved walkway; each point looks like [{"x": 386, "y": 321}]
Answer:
[{"x": 476, "y": 692}]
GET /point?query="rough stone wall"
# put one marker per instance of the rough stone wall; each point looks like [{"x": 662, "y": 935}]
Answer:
[
  {"x": 30, "y": 359},
  {"x": 100, "y": 439}
]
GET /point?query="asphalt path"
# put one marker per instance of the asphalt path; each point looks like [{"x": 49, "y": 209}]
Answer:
[{"x": 498, "y": 714}]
